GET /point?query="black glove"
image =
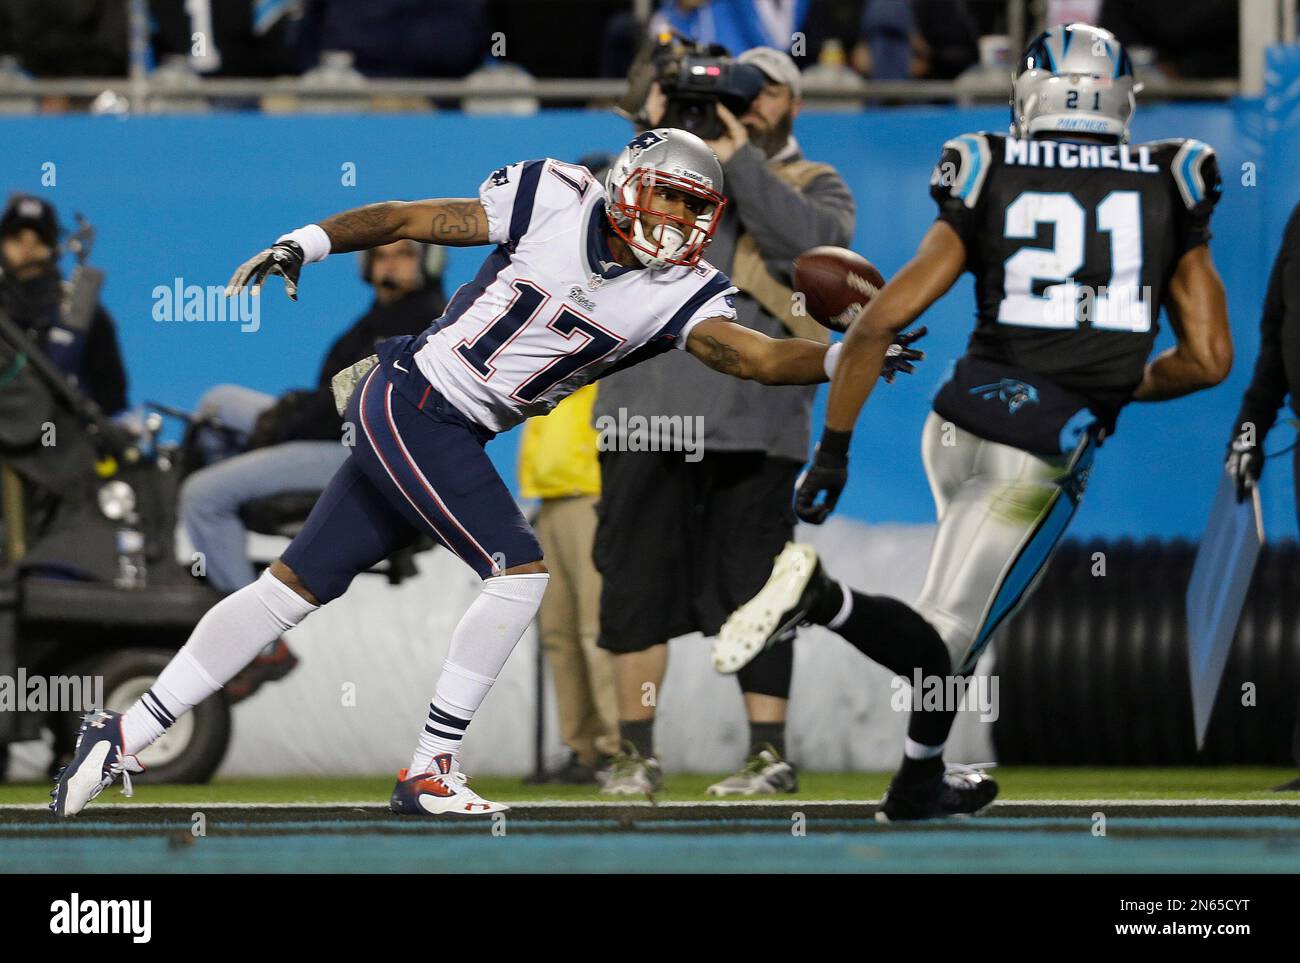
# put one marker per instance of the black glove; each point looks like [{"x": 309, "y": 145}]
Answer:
[
  {"x": 1245, "y": 464},
  {"x": 826, "y": 476},
  {"x": 900, "y": 355},
  {"x": 284, "y": 258}
]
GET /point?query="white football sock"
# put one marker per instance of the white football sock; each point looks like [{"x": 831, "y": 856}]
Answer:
[
  {"x": 227, "y": 638},
  {"x": 918, "y": 750},
  {"x": 482, "y": 641},
  {"x": 846, "y": 608}
]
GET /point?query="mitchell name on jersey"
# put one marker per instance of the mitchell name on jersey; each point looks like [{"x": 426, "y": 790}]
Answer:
[
  {"x": 550, "y": 310},
  {"x": 1072, "y": 245}
]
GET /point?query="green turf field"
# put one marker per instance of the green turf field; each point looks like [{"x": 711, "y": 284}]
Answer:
[
  {"x": 1018, "y": 783},
  {"x": 1223, "y": 820}
]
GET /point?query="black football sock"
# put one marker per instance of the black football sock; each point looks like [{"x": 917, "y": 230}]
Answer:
[
  {"x": 898, "y": 637},
  {"x": 828, "y": 601},
  {"x": 765, "y": 734},
  {"x": 893, "y": 634},
  {"x": 640, "y": 733},
  {"x": 919, "y": 770}
]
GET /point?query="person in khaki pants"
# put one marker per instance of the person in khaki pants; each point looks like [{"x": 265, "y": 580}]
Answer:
[{"x": 557, "y": 463}]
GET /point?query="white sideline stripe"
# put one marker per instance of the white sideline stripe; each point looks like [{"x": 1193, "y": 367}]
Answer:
[{"x": 719, "y": 804}]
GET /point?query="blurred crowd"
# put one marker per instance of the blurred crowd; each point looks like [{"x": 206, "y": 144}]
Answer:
[{"x": 876, "y": 39}]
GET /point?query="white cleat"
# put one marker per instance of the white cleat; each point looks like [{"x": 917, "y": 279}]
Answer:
[
  {"x": 439, "y": 794},
  {"x": 96, "y": 763},
  {"x": 772, "y": 615}
]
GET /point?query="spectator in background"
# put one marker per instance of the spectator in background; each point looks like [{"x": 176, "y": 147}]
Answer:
[
  {"x": 292, "y": 443},
  {"x": 1277, "y": 376},
  {"x": 1191, "y": 38},
  {"x": 735, "y": 24},
  {"x": 912, "y": 39},
  {"x": 239, "y": 38},
  {"x": 31, "y": 293},
  {"x": 557, "y": 463},
  {"x": 69, "y": 38},
  {"x": 702, "y": 526},
  {"x": 1072, "y": 11},
  {"x": 398, "y": 38}
]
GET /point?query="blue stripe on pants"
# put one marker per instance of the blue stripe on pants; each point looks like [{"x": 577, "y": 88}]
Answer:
[{"x": 1035, "y": 553}]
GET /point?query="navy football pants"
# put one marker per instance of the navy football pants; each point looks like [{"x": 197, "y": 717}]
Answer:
[{"x": 413, "y": 468}]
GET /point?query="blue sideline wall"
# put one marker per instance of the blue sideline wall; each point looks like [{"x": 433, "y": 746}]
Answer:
[{"x": 190, "y": 197}]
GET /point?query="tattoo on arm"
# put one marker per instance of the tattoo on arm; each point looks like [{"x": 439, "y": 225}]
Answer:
[
  {"x": 720, "y": 356},
  {"x": 364, "y": 227},
  {"x": 459, "y": 222}
]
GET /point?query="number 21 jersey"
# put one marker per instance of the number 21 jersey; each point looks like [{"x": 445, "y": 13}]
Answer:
[{"x": 1072, "y": 246}]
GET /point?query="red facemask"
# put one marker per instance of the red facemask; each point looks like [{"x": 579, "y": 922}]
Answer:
[{"x": 633, "y": 198}]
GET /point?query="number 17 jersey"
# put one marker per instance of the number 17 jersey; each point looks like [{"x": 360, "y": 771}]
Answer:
[
  {"x": 549, "y": 311},
  {"x": 1072, "y": 246}
]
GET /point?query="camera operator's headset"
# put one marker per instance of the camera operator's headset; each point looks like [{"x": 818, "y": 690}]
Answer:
[{"x": 433, "y": 263}]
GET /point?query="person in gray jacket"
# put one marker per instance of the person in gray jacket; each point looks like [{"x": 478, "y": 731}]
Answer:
[{"x": 697, "y": 469}]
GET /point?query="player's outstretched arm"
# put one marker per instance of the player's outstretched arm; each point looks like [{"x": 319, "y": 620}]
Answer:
[
  {"x": 744, "y": 353},
  {"x": 740, "y": 351},
  {"x": 937, "y": 264},
  {"x": 456, "y": 221},
  {"x": 1198, "y": 314}
]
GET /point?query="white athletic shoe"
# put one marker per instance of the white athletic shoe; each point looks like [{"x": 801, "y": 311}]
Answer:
[
  {"x": 764, "y": 774},
  {"x": 632, "y": 775},
  {"x": 445, "y": 792},
  {"x": 772, "y": 615},
  {"x": 96, "y": 763}
]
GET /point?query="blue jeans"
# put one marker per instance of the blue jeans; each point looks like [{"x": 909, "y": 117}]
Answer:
[{"x": 211, "y": 497}]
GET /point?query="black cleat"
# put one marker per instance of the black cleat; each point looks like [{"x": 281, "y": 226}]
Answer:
[{"x": 961, "y": 791}]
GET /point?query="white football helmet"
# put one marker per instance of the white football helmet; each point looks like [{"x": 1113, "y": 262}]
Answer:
[
  {"x": 655, "y": 159},
  {"x": 1074, "y": 78}
]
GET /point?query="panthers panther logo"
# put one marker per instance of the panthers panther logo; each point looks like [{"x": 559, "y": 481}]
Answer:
[{"x": 1011, "y": 392}]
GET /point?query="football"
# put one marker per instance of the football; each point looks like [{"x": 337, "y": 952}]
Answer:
[{"x": 836, "y": 284}]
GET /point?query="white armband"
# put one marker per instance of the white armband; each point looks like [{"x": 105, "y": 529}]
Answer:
[
  {"x": 832, "y": 358},
  {"x": 313, "y": 240}
]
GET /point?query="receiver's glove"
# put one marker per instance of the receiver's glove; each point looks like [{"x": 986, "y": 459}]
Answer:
[{"x": 284, "y": 258}]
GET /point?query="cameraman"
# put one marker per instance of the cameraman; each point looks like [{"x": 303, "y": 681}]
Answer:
[
  {"x": 683, "y": 537},
  {"x": 32, "y": 294},
  {"x": 291, "y": 443}
]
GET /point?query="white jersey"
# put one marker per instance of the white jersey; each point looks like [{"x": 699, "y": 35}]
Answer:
[{"x": 549, "y": 310}]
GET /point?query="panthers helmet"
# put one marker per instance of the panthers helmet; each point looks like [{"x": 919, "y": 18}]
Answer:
[
  {"x": 1074, "y": 78},
  {"x": 665, "y": 157}
]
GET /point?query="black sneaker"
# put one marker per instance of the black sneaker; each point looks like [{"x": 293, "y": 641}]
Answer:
[
  {"x": 1292, "y": 786},
  {"x": 797, "y": 582},
  {"x": 961, "y": 791}
]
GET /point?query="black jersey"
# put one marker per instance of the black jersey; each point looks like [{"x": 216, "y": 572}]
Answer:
[{"x": 1072, "y": 246}]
